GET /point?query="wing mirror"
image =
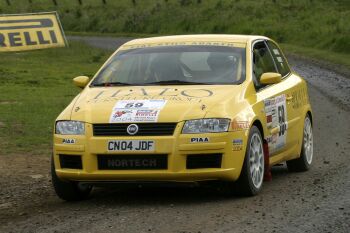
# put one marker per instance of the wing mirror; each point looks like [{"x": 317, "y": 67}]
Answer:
[
  {"x": 270, "y": 78},
  {"x": 81, "y": 81}
]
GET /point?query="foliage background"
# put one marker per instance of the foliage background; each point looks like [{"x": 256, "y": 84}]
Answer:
[{"x": 319, "y": 24}]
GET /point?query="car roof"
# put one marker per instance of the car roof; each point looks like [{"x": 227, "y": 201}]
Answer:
[{"x": 242, "y": 39}]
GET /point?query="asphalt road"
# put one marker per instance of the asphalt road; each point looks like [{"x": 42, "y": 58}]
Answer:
[{"x": 314, "y": 201}]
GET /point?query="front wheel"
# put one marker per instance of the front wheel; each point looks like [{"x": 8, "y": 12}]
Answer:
[
  {"x": 68, "y": 190},
  {"x": 252, "y": 174},
  {"x": 303, "y": 163}
]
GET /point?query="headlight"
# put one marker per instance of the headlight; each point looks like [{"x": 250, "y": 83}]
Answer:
[
  {"x": 209, "y": 125},
  {"x": 70, "y": 127}
]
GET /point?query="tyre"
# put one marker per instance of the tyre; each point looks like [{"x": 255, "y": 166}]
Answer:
[
  {"x": 303, "y": 163},
  {"x": 252, "y": 174},
  {"x": 68, "y": 190}
]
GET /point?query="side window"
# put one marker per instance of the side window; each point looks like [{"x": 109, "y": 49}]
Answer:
[
  {"x": 280, "y": 60},
  {"x": 262, "y": 62}
]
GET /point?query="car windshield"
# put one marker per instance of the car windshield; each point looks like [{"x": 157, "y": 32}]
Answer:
[{"x": 174, "y": 65}]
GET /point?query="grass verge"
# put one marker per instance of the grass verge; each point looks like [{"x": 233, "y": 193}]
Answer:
[
  {"x": 321, "y": 24},
  {"x": 35, "y": 87}
]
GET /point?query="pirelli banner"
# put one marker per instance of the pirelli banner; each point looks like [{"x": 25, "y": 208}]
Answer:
[{"x": 30, "y": 31}]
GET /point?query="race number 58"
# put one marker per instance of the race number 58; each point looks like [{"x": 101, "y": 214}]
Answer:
[{"x": 282, "y": 120}]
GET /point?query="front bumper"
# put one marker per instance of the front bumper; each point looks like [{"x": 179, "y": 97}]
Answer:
[{"x": 177, "y": 147}]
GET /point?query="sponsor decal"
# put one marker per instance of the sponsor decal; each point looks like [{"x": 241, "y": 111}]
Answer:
[
  {"x": 30, "y": 31},
  {"x": 140, "y": 104},
  {"x": 136, "y": 94},
  {"x": 276, "y": 116},
  {"x": 146, "y": 115},
  {"x": 136, "y": 111},
  {"x": 68, "y": 141},
  {"x": 121, "y": 116},
  {"x": 183, "y": 43},
  {"x": 131, "y": 163},
  {"x": 197, "y": 140},
  {"x": 240, "y": 125},
  {"x": 237, "y": 144},
  {"x": 269, "y": 118},
  {"x": 276, "y": 52},
  {"x": 300, "y": 98}
]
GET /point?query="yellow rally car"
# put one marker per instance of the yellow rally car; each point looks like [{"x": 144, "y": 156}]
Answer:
[{"x": 184, "y": 109}]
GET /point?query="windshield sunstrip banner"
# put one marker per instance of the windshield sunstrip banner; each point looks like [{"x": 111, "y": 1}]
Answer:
[
  {"x": 185, "y": 43},
  {"x": 22, "y": 32}
]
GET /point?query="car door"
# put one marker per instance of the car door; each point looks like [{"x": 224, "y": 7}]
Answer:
[
  {"x": 274, "y": 98},
  {"x": 295, "y": 91}
]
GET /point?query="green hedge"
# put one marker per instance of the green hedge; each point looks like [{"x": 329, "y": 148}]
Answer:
[{"x": 320, "y": 24}]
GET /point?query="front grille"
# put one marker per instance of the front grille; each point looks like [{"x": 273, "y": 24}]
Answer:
[
  {"x": 71, "y": 161},
  {"x": 145, "y": 129},
  {"x": 133, "y": 162},
  {"x": 203, "y": 161}
]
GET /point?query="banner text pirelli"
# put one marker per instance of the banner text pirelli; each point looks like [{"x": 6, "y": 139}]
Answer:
[{"x": 30, "y": 31}]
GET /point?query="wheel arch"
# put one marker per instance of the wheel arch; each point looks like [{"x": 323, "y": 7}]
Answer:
[
  {"x": 308, "y": 113},
  {"x": 258, "y": 124}
]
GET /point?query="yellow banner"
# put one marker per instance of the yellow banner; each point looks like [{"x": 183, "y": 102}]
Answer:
[{"x": 31, "y": 31}]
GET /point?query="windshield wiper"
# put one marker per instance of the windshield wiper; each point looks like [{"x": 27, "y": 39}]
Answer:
[
  {"x": 110, "y": 84},
  {"x": 176, "y": 82}
]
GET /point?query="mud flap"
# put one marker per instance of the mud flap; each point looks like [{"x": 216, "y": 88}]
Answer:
[{"x": 267, "y": 172}]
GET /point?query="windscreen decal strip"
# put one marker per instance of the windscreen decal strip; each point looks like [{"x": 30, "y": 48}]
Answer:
[{"x": 184, "y": 43}]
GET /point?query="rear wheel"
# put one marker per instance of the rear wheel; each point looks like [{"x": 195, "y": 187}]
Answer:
[
  {"x": 252, "y": 174},
  {"x": 68, "y": 190},
  {"x": 303, "y": 163}
]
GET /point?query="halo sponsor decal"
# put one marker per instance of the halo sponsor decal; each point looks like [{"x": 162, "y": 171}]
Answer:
[
  {"x": 173, "y": 94},
  {"x": 276, "y": 116},
  {"x": 136, "y": 111},
  {"x": 237, "y": 144},
  {"x": 30, "y": 31}
]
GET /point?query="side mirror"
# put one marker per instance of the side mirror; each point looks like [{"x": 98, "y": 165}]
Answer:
[
  {"x": 270, "y": 78},
  {"x": 81, "y": 81}
]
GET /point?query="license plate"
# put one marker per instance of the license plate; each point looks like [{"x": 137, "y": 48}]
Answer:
[{"x": 131, "y": 145}]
